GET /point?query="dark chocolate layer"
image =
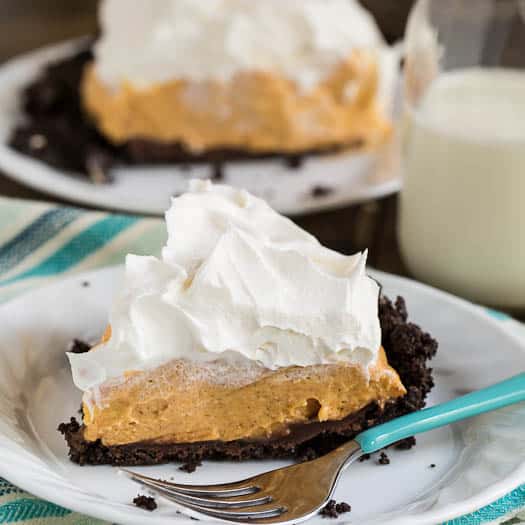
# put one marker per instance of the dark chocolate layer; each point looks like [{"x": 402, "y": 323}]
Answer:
[{"x": 408, "y": 349}]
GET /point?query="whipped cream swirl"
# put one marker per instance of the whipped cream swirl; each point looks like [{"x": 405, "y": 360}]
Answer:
[
  {"x": 145, "y": 43},
  {"x": 236, "y": 280}
]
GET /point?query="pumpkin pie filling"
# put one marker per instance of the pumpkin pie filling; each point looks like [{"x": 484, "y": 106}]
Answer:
[
  {"x": 173, "y": 404},
  {"x": 259, "y": 112}
]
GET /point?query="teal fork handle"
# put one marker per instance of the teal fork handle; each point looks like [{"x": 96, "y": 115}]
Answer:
[{"x": 496, "y": 396}]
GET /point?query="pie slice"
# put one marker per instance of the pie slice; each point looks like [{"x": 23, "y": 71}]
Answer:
[
  {"x": 245, "y": 78},
  {"x": 246, "y": 339}
]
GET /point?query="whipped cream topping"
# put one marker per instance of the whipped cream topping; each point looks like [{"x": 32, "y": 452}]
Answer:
[
  {"x": 237, "y": 281},
  {"x": 152, "y": 42}
]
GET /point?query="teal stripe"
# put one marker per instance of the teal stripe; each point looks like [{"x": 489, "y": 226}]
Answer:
[
  {"x": 30, "y": 509},
  {"x": 497, "y": 510},
  {"x": 78, "y": 248},
  {"x": 500, "y": 316},
  {"x": 40, "y": 231}
]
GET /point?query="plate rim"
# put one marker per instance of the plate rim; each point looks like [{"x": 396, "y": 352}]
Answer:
[
  {"x": 39, "y": 176},
  {"x": 10, "y": 471}
]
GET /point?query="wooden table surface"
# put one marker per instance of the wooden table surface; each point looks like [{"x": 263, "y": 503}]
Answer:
[{"x": 27, "y": 24}]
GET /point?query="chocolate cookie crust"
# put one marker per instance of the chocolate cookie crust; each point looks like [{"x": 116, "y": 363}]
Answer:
[{"x": 408, "y": 349}]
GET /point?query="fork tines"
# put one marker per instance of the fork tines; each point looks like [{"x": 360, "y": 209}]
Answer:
[{"x": 233, "y": 501}]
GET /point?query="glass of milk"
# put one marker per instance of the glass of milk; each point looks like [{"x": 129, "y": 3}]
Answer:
[{"x": 462, "y": 214}]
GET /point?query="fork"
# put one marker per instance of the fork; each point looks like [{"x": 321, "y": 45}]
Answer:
[{"x": 297, "y": 492}]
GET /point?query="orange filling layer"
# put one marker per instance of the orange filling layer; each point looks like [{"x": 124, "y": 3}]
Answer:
[
  {"x": 181, "y": 403},
  {"x": 254, "y": 111}
]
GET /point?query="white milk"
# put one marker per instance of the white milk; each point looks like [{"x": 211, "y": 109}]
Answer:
[{"x": 462, "y": 219}]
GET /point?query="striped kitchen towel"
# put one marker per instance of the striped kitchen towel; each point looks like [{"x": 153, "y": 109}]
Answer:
[{"x": 41, "y": 242}]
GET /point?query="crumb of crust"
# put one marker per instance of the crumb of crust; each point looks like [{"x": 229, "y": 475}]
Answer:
[
  {"x": 405, "y": 444},
  {"x": 364, "y": 457},
  {"x": 432, "y": 465},
  {"x": 85, "y": 284},
  {"x": 145, "y": 502},
  {"x": 307, "y": 455},
  {"x": 294, "y": 161},
  {"x": 383, "y": 459},
  {"x": 321, "y": 191},
  {"x": 333, "y": 509},
  {"x": 217, "y": 171},
  {"x": 79, "y": 347},
  {"x": 190, "y": 466},
  {"x": 343, "y": 507},
  {"x": 72, "y": 426}
]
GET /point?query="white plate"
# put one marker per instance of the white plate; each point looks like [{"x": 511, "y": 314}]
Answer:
[
  {"x": 355, "y": 177},
  {"x": 477, "y": 461}
]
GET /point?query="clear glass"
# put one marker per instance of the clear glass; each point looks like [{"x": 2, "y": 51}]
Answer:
[{"x": 462, "y": 215}]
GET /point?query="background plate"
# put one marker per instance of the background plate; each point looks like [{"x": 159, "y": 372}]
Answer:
[
  {"x": 354, "y": 177},
  {"x": 476, "y": 462}
]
